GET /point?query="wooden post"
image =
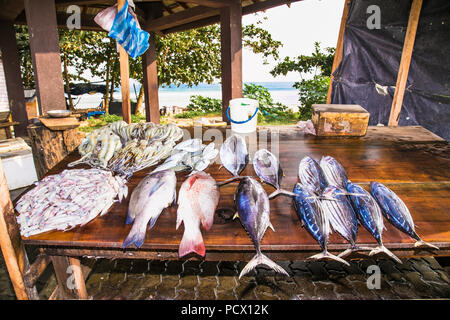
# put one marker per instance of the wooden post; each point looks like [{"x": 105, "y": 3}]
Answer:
[
  {"x": 71, "y": 282},
  {"x": 124, "y": 77},
  {"x": 13, "y": 250},
  {"x": 14, "y": 87},
  {"x": 339, "y": 48},
  {"x": 231, "y": 54},
  {"x": 150, "y": 69},
  {"x": 405, "y": 61},
  {"x": 45, "y": 53}
]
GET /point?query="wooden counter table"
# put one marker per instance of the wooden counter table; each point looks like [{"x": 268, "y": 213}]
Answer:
[{"x": 410, "y": 160}]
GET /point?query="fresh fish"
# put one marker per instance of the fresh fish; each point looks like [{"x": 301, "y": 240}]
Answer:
[
  {"x": 190, "y": 145},
  {"x": 310, "y": 213},
  {"x": 342, "y": 217},
  {"x": 253, "y": 210},
  {"x": 370, "y": 216},
  {"x": 234, "y": 154},
  {"x": 267, "y": 167},
  {"x": 311, "y": 175},
  {"x": 150, "y": 197},
  {"x": 334, "y": 172},
  {"x": 396, "y": 212},
  {"x": 197, "y": 201}
]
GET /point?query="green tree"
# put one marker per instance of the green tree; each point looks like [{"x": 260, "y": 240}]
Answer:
[{"x": 319, "y": 65}]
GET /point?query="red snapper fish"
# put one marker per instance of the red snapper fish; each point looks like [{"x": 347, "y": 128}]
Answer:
[{"x": 197, "y": 201}]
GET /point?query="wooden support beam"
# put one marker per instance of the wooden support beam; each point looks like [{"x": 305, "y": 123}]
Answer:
[
  {"x": 71, "y": 282},
  {"x": 45, "y": 53},
  {"x": 150, "y": 70},
  {"x": 36, "y": 269},
  {"x": 339, "y": 48},
  {"x": 405, "y": 61},
  {"x": 13, "y": 250},
  {"x": 210, "y": 3},
  {"x": 231, "y": 54},
  {"x": 124, "y": 77},
  {"x": 13, "y": 78}
]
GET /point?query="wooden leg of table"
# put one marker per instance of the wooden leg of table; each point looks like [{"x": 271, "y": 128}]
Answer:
[{"x": 71, "y": 284}]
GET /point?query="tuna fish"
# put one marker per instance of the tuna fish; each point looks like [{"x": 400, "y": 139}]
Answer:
[
  {"x": 343, "y": 218},
  {"x": 267, "y": 167},
  {"x": 370, "y": 216},
  {"x": 150, "y": 197},
  {"x": 253, "y": 210},
  {"x": 334, "y": 172},
  {"x": 396, "y": 212},
  {"x": 234, "y": 154},
  {"x": 197, "y": 201},
  {"x": 312, "y": 176},
  {"x": 310, "y": 213}
]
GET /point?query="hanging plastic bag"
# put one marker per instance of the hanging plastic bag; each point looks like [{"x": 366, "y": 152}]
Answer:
[{"x": 105, "y": 18}]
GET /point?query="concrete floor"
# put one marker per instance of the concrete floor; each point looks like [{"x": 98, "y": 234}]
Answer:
[{"x": 140, "y": 279}]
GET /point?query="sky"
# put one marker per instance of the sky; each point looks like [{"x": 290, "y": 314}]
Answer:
[{"x": 297, "y": 27}]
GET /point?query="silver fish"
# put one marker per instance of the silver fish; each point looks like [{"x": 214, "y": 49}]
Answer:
[
  {"x": 334, "y": 172},
  {"x": 234, "y": 154},
  {"x": 253, "y": 210},
  {"x": 190, "y": 145},
  {"x": 312, "y": 176},
  {"x": 342, "y": 217},
  {"x": 197, "y": 201},
  {"x": 150, "y": 197},
  {"x": 267, "y": 167}
]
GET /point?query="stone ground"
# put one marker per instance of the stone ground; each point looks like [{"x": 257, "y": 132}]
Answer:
[{"x": 422, "y": 278}]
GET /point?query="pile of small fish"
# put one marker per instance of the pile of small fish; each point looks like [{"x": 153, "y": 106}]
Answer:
[
  {"x": 69, "y": 199},
  {"x": 125, "y": 148},
  {"x": 190, "y": 155}
]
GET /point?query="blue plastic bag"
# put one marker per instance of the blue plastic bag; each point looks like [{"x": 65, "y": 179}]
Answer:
[{"x": 128, "y": 34}]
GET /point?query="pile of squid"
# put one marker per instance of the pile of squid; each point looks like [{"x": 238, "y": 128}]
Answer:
[
  {"x": 68, "y": 199},
  {"x": 126, "y": 148}
]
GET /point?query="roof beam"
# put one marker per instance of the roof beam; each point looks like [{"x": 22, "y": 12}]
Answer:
[{"x": 209, "y": 3}]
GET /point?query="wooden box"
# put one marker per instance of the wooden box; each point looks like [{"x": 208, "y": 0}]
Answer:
[{"x": 340, "y": 119}]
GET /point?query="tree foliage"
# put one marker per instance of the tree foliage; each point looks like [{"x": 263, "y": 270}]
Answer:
[{"x": 313, "y": 90}]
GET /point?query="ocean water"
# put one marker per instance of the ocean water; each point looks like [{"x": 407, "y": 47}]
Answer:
[{"x": 282, "y": 92}]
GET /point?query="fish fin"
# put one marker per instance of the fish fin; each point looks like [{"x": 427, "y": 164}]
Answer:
[
  {"x": 258, "y": 259},
  {"x": 192, "y": 243},
  {"x": 135, "y": 237},
  {"x": 130, "y": 219},
  {"x": 207, "y": 223},
  {"x": 152, "y": 222},
  {"x": 326, "y": 255},
  {"x": 236, "y": 215},
  {"x": 271, "y": 226},
  {"x": 385, "y": 250},
  {"x": 274, "y": 194},
  {"x": 421, "y": 243}
]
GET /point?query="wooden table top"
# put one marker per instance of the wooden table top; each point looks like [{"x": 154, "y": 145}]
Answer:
[{"x": 415, "y": 170}]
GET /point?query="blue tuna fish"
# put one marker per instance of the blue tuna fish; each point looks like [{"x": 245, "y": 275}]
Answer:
[
  {"x": 342, "y": 217},
  {"x": 253, "y": 210},
  {"x": 310, "y": 213},
  {"x": 311, "y": 175},
  {"x": 334, "y": 172},
  {"x": 370, "y": 216},
  {"x": 396, "y": 212}
]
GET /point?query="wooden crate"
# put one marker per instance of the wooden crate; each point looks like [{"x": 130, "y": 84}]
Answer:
[{"x": 340, "y": 119}]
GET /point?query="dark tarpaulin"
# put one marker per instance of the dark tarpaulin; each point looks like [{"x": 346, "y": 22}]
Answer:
[{"x": 367, "y": 74}]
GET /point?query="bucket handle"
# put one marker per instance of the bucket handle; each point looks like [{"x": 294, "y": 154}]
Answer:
[{"x": 241, "y": 122}]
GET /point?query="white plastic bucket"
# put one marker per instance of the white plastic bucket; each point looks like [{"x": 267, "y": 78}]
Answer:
[{"x": 242, "y": 113}]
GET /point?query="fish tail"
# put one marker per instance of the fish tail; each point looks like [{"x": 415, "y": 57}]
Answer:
[
  {"x": 136, "y": 237},
  {"x": 353, "y": 248},
  {"x": 258, "y": 259},
  {"x": 326, "y": 255},
  {"x": 192, "y": 242},
  {"x": 385, "y": 250},
  {"x": 421, "y": 243}
]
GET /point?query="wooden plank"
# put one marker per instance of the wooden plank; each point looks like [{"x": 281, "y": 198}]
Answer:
[
  {"x": 12, "y": 247},
  {"x": 420, "y": 177},
  {"x": 405, "y": 61},
  {"x": 339, "y": 48},
  {"x": 70, "y": 278},
  {"x": 209, "y": 3},
  {"x": 231, "y": 55},
  {"x": 124, "y": 77},
  {"x": 60, "y": 124},
  {"x": 45, "y": 53},
  {"x": 150, "y": 71},
  {"x": 36, "y": 269},
  {"x": 13, "y": 79}
]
